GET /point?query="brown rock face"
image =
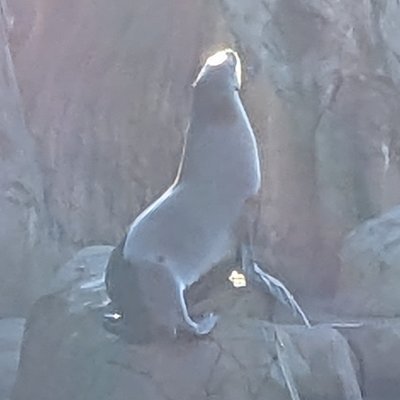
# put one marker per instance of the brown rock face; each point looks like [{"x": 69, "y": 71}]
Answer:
[
  {"x": 369, "y": 278},
  {"x": 105, "y": 90},
  {"x": 325, "y": 102},
  {"x": 105, "y": 93},
  {"x": 25, "y": 247}
]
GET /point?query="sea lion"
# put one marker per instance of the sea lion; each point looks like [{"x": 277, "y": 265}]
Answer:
[{"x": 203, "y": 218}]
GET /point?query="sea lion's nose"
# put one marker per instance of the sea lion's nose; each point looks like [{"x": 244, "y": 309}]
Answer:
[{"x": 231, "y": 57}]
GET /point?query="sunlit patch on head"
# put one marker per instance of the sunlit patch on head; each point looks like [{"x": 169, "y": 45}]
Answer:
[
  {"x": 217, "y": 58},
  {"x": 220, "y": 58},
  {"x": 237, "y": 279}
]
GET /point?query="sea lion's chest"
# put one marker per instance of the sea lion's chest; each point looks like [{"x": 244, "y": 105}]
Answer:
[
  {"x": 224, "y": 156},
  {"x": 186, "y": 230}
]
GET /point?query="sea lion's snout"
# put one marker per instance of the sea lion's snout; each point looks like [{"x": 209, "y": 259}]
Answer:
[
  {"x": 235, "y": 61},
  {"x": 221, "y": 57},
  {"x": 232, "y": 57}
]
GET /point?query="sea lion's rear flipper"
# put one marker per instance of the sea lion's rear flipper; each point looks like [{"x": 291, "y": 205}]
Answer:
[
  {"x": 273, "y": 285},
  {"x": 281, "y": 293},
  {"x": 248, "y": 228}
]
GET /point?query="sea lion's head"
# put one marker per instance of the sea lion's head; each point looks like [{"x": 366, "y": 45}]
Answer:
[{"x": 222, "y": 70}]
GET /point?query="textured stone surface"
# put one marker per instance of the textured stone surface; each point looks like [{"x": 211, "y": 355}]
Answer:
[
  {"x": 11, "y": 330},
  {"x": 87, "y": 263},
  {"x": 106, "y": 90},
  {"x": 370, "y": 272},
  {"x": 326, "y": 107},
  {"x": 66, "y": 350},
  {"x": 377, "y": 347},
  {"x": 67, "y": 354},
  {"x": 26, "y": 249}
]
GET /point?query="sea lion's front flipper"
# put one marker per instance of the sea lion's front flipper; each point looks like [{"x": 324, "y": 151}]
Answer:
[{"x": 203, "y": 326}]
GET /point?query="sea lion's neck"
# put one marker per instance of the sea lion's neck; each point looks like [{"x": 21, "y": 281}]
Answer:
[{"x": 214, "y": 105}]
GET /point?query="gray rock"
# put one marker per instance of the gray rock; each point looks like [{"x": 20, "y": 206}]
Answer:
[
  {"x": 30, "y": 237},
  {"x": 21, "y": 194},
  {"x": 87, "y": 264},
  {"x": 67, "y": 354},
  {"x": 11, "y": 330},
  {"x": 377, "y": 347},
  {"x": 387, "y": 15},
  {"x": 107, "y": 101},
  {"x": 369, "y": 278}
]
